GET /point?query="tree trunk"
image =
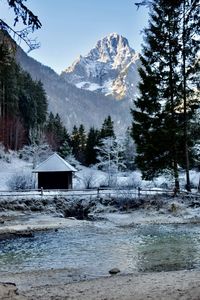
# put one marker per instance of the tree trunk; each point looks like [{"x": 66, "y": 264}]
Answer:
[
  {"x": 187, "y": 166},
  {"x": 173, "y": 128}
]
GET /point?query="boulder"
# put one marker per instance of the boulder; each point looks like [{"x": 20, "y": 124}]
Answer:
[{"x": 114, "y": 271}]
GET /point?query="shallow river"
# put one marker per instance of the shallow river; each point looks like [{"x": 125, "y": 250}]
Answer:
[{"x": 94, "y": 248}]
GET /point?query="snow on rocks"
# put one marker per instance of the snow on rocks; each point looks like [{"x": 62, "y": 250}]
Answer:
[{"x": 109, "y": 68}]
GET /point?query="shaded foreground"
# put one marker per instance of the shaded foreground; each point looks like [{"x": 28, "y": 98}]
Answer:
[{"x": 164, "y": 285}]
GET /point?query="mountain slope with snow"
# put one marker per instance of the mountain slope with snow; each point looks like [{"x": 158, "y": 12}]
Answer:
[
  {"x": 86, "y": 92},
  {"x": 110, "y": 68}
]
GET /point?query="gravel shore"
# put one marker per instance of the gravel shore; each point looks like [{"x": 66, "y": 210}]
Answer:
[{"x": 165, "y": 285}]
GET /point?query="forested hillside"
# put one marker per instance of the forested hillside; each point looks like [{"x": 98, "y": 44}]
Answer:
[{"x": 23, "y": 103}]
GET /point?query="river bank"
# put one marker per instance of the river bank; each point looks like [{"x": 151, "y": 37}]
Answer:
[
  {"x": 183, "y": 285},
  {"x": 115, "y": 216},
  {"x": 22, "y": 217}
]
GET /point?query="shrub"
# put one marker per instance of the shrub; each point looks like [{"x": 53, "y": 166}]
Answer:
[{"x": 22, "y": 181}]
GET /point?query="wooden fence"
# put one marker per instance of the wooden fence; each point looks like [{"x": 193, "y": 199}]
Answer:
[{"x": 98, "y": 192}]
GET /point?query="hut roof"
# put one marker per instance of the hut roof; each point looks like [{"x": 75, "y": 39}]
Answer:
[{"x": 54, "y": 163}]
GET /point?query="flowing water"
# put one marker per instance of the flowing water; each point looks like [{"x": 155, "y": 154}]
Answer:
[{"x": 94, "y": 248}]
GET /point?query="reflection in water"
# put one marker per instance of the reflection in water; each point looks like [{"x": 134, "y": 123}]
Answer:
[
  {"x": 168, "y": 251},
  {"x": 93, "y": 250}
]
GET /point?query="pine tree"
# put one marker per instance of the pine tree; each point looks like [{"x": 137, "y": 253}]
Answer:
[
  {"x": 32, "y": 105},
  {"x": 23, "y": 103},
  {"x": 75, "y": 141},
  {"x": 189, "y": 71},
  {"x": 82, "y": 144},
  {"x": 41, "y": 102},
  {"x": 155, "y": 126},
  {"x": 107, "y": 128},
  {"x": 60, "y": 130},
  {"x": 55, "y": 131},
  {"x": 78, "y": 142},
  {"x": 93, "y": 140},
  {"x": 65, "y": 149},
  {"x": 11, "y": 127},
  {"x": 181, "y": 47}
]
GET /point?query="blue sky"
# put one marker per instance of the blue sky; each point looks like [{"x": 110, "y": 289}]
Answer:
[{"x": 72, "y": 27}]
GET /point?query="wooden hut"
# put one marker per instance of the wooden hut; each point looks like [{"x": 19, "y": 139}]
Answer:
[{"x": 54, "y": 173}]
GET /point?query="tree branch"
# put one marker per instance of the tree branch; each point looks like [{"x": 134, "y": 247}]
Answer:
[
  {"x": 22, "y": 35},
  {"x": 29, "y": 20},
  {"x": 143, "y": 3},
  {"x": 22, "y": 12}
]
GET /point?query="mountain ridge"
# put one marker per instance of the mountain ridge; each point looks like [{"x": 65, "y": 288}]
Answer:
[
  {"x": 77, "y": 105},
  {"x": 109, "y": 68}
]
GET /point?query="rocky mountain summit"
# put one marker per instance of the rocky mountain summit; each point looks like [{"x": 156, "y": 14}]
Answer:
[
  {"x": 90, "y": 90},
  {"x": 109, "y": 68}
]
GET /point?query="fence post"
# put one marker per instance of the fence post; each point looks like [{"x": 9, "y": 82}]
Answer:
[
  {"x": 139, "y": 190},
  {"x": 42, "y": 192},
  {"x": 97, "y": 192}
]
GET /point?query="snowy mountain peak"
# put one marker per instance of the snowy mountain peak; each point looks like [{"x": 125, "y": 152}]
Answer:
[
  {"x": 106, "y": 68},
  {"x": 113, "y": 48}
]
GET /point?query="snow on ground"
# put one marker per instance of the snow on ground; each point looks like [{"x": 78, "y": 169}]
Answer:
[
  {"x": 89, "y": 178},
  {"x": 90, "y": 86},
  {"x": 195, "y": 178},
  {"x": 174, "y": 210},
  {"x": 93, "y": 178},
  {"x": 8, "y": 169}
]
